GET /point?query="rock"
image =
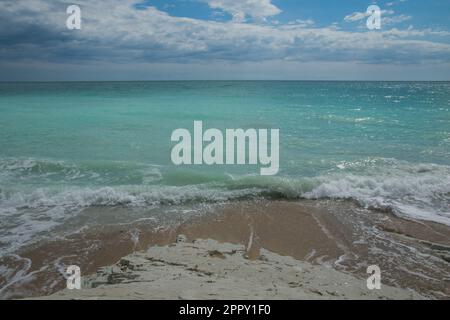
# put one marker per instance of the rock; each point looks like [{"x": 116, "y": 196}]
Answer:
[
  {"x": 181, "y": 238},
  {"x": 199, "y": 272}
]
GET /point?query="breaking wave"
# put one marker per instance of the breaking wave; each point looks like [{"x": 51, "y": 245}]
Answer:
[{"x": 421, "y": 190}]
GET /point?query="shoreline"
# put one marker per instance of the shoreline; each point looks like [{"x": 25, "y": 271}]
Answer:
[{"x": 327, "y": 237}]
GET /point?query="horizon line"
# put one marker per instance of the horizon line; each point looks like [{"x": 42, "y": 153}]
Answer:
[{"x": 217, "y": 80}]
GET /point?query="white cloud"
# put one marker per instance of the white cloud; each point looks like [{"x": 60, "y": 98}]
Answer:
[
  {"x": 240, "y": 9},
  {"x": 387, "y": 17},
  {"x": 387, "y": 21},
  {"x": 304, "y": 23},
  {"x": 394, "y": 3},
  {"x": 355, "y": 16},
  {"x": 115, "y": 31},
  {"x": 411, "y": 33}
]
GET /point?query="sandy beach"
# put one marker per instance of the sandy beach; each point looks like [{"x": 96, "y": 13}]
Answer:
[{"x": 249, "y": 250}]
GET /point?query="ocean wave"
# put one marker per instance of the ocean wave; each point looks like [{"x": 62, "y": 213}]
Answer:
[
  {"x": 133, "y": 196},
  {"x": 343, "y": 119},
  {"x": 421, "y": 195},
  {"x": 38, "y": 171},
  {"x": 415, "y": 190}
]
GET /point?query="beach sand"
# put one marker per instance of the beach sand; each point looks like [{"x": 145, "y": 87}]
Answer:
[{"x": 250, "y": 250}]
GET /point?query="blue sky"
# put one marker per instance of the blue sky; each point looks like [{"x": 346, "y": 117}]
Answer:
[
  {"x": 323, "y": 12},
  {"x": 225, "y": 39}
]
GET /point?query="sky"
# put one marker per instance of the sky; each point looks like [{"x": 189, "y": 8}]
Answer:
[{"x": 224, "y": 40}]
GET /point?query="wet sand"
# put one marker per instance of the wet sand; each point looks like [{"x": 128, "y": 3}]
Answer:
[{"x": 412, "y": 255}]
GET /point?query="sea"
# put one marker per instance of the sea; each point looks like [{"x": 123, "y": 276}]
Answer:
[{"x": 68, "y": 147}]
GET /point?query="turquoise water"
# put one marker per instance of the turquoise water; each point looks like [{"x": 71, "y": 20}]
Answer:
[{"x": 65, "y": 147}]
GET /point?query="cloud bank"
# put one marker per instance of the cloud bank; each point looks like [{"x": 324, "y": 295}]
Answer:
[{"x": 114, "y": 31}]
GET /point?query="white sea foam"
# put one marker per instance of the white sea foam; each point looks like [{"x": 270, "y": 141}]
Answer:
[{"x": 419, "y": 191}]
